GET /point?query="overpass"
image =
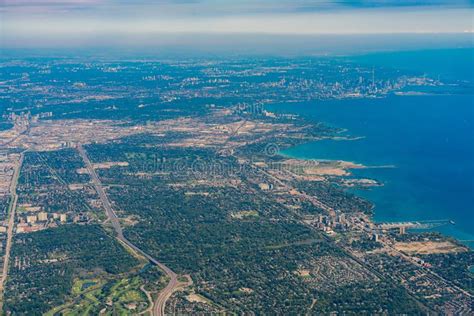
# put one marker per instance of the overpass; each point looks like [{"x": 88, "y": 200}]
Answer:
[{"x": 173, "y": 283}]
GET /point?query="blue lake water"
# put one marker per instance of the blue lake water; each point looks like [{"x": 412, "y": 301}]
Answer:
[{"x": 428, "y": 139}]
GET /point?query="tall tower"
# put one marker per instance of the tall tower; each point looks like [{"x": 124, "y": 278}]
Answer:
[{"x": 373, "y": 77}]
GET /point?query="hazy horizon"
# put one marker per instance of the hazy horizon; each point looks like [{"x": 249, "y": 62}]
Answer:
[
  {"x": 240, "y": 45},
  {"x": 65, "y": 23}
]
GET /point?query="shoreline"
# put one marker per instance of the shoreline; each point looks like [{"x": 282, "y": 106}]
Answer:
[
  {"x": 345, "y": 165},
  {"x": 423, "y": 189}
]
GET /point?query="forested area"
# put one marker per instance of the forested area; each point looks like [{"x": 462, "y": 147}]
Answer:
[{"x": 44, "y": 265}]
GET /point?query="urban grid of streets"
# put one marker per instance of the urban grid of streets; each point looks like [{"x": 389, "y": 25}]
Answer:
[{"x": 174, "y": 284}]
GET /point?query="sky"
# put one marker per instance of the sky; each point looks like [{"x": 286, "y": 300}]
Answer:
[{"x": 63, "y": 22}]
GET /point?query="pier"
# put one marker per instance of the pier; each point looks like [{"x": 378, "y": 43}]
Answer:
[{"x": 426, "y": 224}]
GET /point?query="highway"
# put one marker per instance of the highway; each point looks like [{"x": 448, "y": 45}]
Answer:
[
  {"x": 11, "y": 224},
  {"x": 173, "y": 284}
]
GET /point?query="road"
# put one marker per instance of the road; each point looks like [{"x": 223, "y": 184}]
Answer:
[
  {"x": 416, "y": 263},
  {"x": 173, "y": 284},
  {"x": 349, "y": 252},
  {"x": 8, "y": 142},
  {"x": 11, "y": 224}
]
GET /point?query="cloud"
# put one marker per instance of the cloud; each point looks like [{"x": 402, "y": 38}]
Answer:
[
  {"x": 221, "y": 7},
  {"x": 346, "y": 22},
  {"x": 404, "y": 3},
  {"x": 19, "y": 7},
  {"x": 48, "y": 3},
  {"x": 53, "y": 21}
]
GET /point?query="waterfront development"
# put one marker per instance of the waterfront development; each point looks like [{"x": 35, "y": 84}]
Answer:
[
  {"x": 234, "y": 185},
  {"x": 418, "y": 146}
]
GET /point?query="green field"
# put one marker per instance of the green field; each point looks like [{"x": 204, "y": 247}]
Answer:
[{"x": 109, "y": 297}]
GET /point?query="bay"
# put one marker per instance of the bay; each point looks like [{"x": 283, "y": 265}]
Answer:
[{"x": 420, "y": 147}]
